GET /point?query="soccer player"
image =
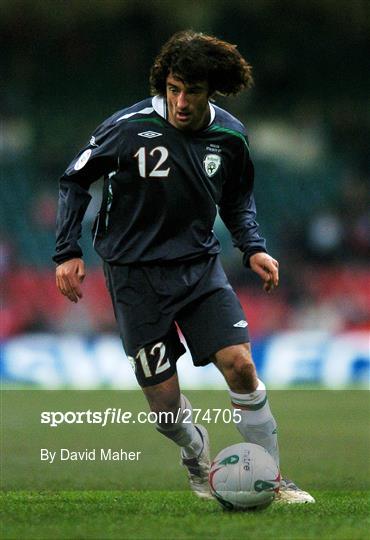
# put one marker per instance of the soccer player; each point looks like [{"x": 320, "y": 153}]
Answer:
[{"x": 168, "y": 163}]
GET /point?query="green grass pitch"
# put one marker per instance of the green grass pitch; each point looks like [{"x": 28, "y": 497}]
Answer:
[{"x": 324, "y": 440}]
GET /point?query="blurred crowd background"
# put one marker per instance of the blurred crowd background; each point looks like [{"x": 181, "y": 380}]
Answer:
[{"x": 67, "y": 65}]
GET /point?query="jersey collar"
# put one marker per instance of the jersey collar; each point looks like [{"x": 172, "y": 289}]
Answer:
[{"x": 160, "y": 106}]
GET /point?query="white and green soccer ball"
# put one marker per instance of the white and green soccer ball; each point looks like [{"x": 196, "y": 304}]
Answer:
[{"x": 244, "y": 476}]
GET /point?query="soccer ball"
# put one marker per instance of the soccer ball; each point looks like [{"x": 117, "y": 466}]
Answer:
[{"x": 244, "y": 476}]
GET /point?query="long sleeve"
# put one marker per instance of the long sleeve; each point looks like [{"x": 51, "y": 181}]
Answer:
[
  {"x": 237, "y": 208},
  {"x": 98, "y": 158}
]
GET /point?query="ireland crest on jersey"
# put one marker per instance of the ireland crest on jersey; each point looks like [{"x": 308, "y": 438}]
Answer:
[{"x": 211, "y": 164}]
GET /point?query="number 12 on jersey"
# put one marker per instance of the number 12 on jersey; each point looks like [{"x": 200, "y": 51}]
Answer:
[{"x": 156, "y": 172}]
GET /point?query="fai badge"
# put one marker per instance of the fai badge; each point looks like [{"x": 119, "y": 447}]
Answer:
[
  {"x": 82, "y": 160},
  {"x": 211, "y": 164}
]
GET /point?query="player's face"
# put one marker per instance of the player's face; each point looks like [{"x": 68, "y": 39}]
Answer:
[{"x": 188, "y": 107}]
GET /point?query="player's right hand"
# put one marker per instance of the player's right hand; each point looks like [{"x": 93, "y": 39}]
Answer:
[
  {"x": 69, "y": 276},
  {"x": 267, "y": 268}
]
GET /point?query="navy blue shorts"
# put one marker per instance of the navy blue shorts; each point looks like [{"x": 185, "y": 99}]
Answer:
[{"x": 151, "y": 300}]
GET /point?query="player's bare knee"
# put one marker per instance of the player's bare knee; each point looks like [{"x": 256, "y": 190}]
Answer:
[
  {"x": 236, "y": 364},
  {"x": 241, "y": 374},
  {"x": 244, "y": 378},
  {"x": 166, "y": 413}
]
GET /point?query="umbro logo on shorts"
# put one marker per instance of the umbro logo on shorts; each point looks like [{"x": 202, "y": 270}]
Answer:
[
  {"x": 149, "y": 134},
  {"x": 240, "y": 324}
]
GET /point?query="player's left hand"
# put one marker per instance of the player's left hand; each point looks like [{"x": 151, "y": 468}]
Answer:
[{"x": 267, "y": 268}]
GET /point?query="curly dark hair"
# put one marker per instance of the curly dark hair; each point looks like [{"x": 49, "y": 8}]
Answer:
[{"x": 193, "y": 57}]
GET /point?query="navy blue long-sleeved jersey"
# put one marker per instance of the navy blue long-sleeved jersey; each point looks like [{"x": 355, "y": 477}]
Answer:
[{"x": 162, "y": 187}]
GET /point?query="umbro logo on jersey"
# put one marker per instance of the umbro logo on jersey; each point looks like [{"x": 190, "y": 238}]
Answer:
[
  {"x": 93, "y": 142},
  {"x": 240, "y": 324},
  {"x": 149, "y": 134}
]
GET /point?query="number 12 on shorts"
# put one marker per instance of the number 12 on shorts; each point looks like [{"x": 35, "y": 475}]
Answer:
[{"x": 152, "y": 365}]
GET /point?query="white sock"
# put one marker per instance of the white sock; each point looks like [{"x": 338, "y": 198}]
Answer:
[
  {"x": 257, "y": 425},
  {"x": 184, "y": 434}
]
